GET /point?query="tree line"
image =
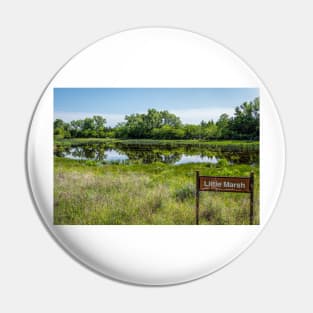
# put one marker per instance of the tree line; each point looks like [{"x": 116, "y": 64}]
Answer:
[{"x": 244, "y": 124}]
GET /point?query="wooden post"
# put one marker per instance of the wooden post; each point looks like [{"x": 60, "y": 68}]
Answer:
[
  {"x": 251, "y": 197},
  {"x": 197, "y": 196}
]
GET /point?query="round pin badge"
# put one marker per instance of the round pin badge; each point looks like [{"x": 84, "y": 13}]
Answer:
[{"x": 155, "y": 156}]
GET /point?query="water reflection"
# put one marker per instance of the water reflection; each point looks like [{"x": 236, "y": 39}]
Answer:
[
  {"x": 156, "y": 153},
  {"x": 196, "y": 159}
]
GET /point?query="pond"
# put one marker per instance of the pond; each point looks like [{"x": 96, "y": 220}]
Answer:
[{"x": 150, "y": 153}]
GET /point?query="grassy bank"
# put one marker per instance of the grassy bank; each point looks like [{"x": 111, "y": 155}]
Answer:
[
  {"x": 157, "y": 141},
  {"x": 86, "y": 192}
]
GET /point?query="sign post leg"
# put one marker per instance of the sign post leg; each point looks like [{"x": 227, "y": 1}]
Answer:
[
  {"x": 251, "y": 198},
  {"x": 197, "y": 196}
]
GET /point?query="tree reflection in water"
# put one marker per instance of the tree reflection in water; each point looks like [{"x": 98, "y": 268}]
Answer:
[{"x": 148, "y": 153}]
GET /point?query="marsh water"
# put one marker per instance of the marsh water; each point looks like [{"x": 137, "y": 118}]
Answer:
[{"x": 150, "y": 153}]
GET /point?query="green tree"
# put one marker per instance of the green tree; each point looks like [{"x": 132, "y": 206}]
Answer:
[
  {"x": 245, "y": 123},
  {"x": 61, "y": 129},
  {"x": 170, "y": 119},
  {"x": 222, "y": 124},
  {"x": 99, "y": 125},
  {"x": 165, "y": 125},
  {"x": 192, "y": 131}
]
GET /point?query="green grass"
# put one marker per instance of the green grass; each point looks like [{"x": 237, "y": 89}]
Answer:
[
  {"x": 207, "y": 143},
  {"x": 86, "y": 192}
]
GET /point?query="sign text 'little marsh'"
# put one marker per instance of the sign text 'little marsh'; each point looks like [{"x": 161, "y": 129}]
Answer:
[{"x": 231, "y": 184}]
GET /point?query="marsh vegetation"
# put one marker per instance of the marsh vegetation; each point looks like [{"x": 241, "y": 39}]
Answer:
[
  {"x": 149, "y": 183},
  {"x": 142, "y": 171}
]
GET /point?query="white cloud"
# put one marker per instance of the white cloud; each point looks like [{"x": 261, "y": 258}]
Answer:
[
  {"x": 112, "y": 119},
  {"x": 195, "y": 116},
  {"x": 187, "y": 116}
]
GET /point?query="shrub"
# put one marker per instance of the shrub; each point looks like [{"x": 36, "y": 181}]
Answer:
[
  {"x": 222, "y": 163},
  {"x": 185, "y": 192}
]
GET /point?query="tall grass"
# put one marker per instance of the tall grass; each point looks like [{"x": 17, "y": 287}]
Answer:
[{"x": 115, "y": 194}]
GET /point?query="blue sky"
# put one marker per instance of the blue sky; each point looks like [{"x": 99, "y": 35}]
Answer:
[{"x": 191, "y": 104}]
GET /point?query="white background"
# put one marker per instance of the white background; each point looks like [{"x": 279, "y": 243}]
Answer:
[{"x": 37, "y": 37}]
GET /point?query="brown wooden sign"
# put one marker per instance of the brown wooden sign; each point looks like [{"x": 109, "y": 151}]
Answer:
[
  {"x": 224, "y": 184},
  {"x": 230, "y": 184}
]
